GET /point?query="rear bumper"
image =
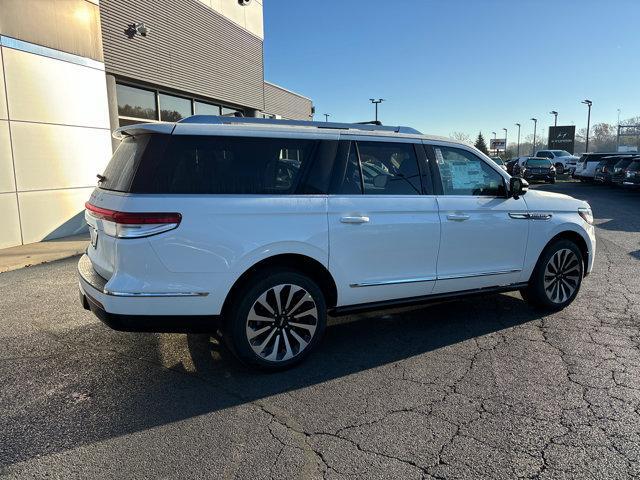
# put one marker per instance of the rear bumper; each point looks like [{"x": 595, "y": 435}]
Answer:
[{"x": 110, "y": 309}]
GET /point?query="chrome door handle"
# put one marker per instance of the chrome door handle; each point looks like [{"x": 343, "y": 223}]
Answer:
[
  {"x": 457, "y": 217},
  {"x": 361, "y": 219}
]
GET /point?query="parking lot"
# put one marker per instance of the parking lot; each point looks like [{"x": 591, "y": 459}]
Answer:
[{"x": 482, "y": 387}]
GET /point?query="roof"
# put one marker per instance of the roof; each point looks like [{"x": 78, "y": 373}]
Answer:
[{"x": 200, "y": 124}]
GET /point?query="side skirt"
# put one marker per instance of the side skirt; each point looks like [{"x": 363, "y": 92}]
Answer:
[{"x": 422, "y": 300}]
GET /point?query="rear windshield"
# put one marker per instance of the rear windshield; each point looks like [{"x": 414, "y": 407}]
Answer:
[
  {"x": 122, "y": 167},
  {"x": 185, "y": 164}
]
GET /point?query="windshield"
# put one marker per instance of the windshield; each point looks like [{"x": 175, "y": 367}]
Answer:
[
  {"x": 561, "y": 153},
  {"x": 622, "y": 164},
  {"x": 498, "y": 160},
  {"x": 538, "y": 162}
]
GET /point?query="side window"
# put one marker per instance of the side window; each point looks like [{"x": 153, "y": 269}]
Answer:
[
  {"x": 463, "y": 173},
  {"x": 389, "y": 168},
  {"x": 545, "y": 154},
  {"x": 226, "y": 165}
]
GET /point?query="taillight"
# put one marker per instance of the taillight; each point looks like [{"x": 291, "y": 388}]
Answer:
[{"x": 133, "y": 224}]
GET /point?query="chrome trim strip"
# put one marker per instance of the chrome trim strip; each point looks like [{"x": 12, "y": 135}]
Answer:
[
  {"x": 393, "y": 282},
  {"x": 154, "y": 294},
  {"x": 28, "y": 47},
  {"x": 431, "y": 279},
  {"x": 519, "y": 216},
  {"x": 484, "y": 274},
  {"x": 540, "y": 216}
]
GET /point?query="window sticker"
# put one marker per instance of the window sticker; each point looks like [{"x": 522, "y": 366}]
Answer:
[{"x": 439, "y": 157}]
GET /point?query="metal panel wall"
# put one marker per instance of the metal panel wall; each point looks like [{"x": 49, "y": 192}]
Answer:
[
  {"x": 279, "y": 101},
  {"x": 189, "y": 48}
]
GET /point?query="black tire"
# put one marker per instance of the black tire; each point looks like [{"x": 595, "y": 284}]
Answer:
[
  {"x": 568, "y": 278},
  {"x": 559, "y": 168},
  {"x": 247, "y": 300},
  {"x": 553, "y": 180}
]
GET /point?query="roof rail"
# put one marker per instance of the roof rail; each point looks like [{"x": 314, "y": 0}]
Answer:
[{"x": 218, "y": 120}]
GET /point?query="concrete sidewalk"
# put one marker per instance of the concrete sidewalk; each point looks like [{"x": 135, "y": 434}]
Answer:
[{"x": 42, "y": 252}]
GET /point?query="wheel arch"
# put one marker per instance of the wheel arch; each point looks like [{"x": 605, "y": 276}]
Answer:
[
  {"x": 574, "y": 237},
  {"x": 295, "y": 261}
]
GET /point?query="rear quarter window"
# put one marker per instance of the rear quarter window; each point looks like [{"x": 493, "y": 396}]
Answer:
[{"x": 227, "y": 165}]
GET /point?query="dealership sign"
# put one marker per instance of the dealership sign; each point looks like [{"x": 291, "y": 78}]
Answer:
[
  {"x": 562, "y": 138},
  {"x": 498, "y": 144}
]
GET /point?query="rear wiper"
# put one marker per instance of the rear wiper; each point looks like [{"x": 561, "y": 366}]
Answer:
[{"x": 101, "y": 178}]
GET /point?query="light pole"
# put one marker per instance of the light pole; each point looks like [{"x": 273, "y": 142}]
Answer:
[
  {"x": 376, "y": 103},
  {"x": 495, "y": 150},
  {"x": 555, "y": 117},
  {"x": 326, "y": 116},
  {"x": 505, "y": 142},
  {"x": 535, "y": 126},
  {"x": 588, "y": 103},
  {"x": 518, "y": 125},
  {"x": 618, "y": 134}
]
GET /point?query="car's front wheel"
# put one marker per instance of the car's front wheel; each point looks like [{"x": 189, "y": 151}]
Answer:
[
  {"x": 276, "y": 320},
  {"x": 557, "y": 277},
  {"x": 559, "y": 168}
]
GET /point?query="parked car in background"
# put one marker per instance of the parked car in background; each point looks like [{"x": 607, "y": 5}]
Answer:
[
  {"x": 262, "y": 228},
  {"x": 539, "y": 169},
  {"x": 499, "y": 162},
  {"x": 561, "y": 159},
  {"x": 586, "y": 167},
  {"x": 518, "y": 165},
  {"x": 604, "y": 169},
  {"x": 620, "y": 170},
  {"x": 510, "y": 164},
  {"x": 632, "y": 174}
]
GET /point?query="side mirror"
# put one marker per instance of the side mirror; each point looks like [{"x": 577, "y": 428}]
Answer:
[
  {"x": 518, "y": 187},
  {"x": 380, "y": 181}
]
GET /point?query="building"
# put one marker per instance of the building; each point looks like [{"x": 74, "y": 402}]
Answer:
[{"x": 71, "y": 71}]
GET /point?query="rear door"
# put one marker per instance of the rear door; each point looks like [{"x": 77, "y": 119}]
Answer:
[
  {"x": 384, "y": 228},
  {"x": 483, "y": 232}
]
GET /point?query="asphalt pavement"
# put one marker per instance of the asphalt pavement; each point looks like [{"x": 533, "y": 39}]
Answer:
[{"x": 476, "y": 388}]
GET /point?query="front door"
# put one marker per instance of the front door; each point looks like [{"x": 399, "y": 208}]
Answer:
[
  {"x": 484, "y": 233},
  {"x": 384, "y": 232}
]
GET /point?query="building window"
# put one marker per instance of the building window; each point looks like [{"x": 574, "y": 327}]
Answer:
[
  {"x": 173, "y": 108},
  {"x": 202, "y": 108},
  {"x": 229, "y": 111},
  {"x": 136, "y": 103}
]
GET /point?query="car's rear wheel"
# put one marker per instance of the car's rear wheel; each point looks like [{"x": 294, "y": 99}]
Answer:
[
  {"x": 559, "y": 168},
  {"x": 276, "y": 320},
  {"x": 557, "y": 277}
]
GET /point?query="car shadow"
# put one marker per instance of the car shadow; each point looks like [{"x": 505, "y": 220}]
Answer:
[{"x": 131, "y": 383}]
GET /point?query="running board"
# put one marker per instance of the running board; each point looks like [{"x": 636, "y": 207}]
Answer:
[{"x": 421, "y": 300}]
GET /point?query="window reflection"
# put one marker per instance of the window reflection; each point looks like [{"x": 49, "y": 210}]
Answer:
[
  {"x": 173, "y": 108},
  {"x": 136, "y": 102},
  {"x": 202, "y": 108}
]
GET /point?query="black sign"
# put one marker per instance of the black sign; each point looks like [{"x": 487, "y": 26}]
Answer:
[{"x": 562, "y": 138}]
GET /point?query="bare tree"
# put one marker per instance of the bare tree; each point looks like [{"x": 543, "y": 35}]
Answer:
[{"x": 461, "y": 137}]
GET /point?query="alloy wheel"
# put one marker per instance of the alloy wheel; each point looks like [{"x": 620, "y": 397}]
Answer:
[
  {"x": 282, "y": 322},
  {"x": 562, "y": 275}
]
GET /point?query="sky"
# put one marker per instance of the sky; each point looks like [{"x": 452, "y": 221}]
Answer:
[{"x": 458, "y": 65}]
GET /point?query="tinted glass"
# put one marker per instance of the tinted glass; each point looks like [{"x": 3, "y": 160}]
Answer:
[
  {"x": 352, "y": 183},
  {"x": 136, "y": 102},
  {"x": 538, "y": 163},
  {"x": 229, "y": 111},
  {"x": 226, "y": 165},
  {"x": 545, "y": 154},
  {"x": 173, "y": 108},
  {"x": 201, "y": 108},
  {"x": 124, "y": 163},
  {"x": 622, "y": 164},
  {"x": 561, "y": 153},
  {"x": 634, "y": 166},
  {"x": 389, "y": 168},
  {"x": 463, "y": 173}
]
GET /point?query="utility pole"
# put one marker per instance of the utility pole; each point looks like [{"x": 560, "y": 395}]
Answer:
[
  {"x": 588, "y": 103},
  {"x": 535, "y": 126},
  {"x": 376, "y": 103},
  {"x": 518, "y": 125},
  {"x": 495, "y": 147},
  {"x": 505, "y": 141}
]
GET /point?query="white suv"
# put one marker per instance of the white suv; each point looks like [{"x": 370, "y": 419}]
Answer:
[
  {"x": 561, "y": 159},
  {"x": 263, "y": 227}
]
